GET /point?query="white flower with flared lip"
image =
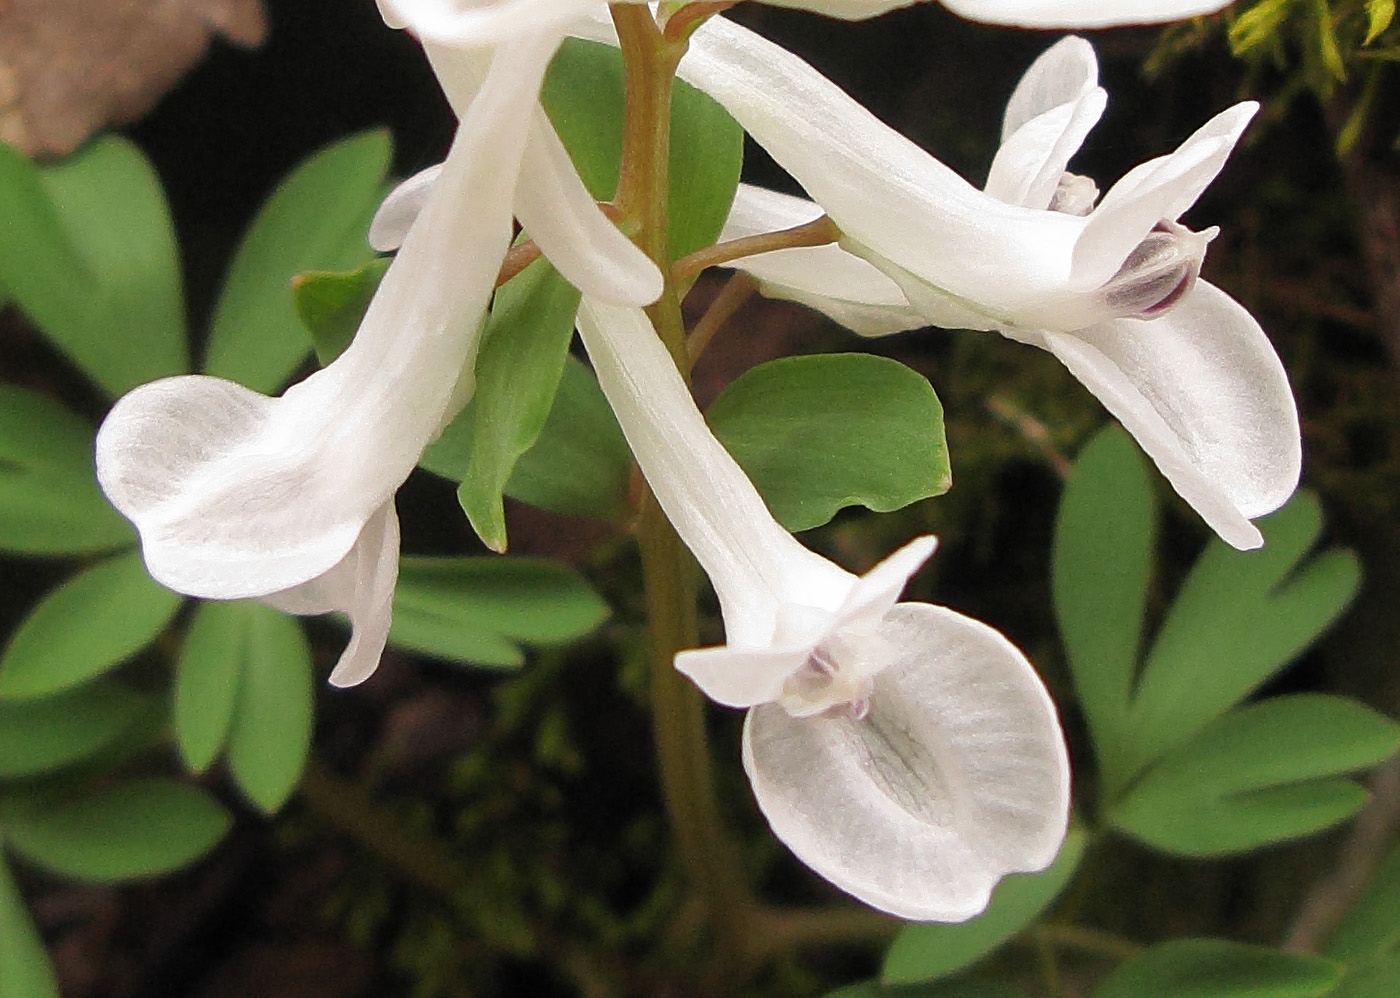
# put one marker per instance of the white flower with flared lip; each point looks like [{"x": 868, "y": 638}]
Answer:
[
  {"x": 905, "y": 752},
  {"x": 290, "y": 499},
  {"x": 1110, "y": 288}
]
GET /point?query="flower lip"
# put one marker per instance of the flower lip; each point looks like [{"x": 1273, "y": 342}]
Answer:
[{"x": 1159, "y": 273}]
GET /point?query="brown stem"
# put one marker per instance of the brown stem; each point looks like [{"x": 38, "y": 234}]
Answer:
[
  {"x": 818, "y": 232},
  {"x": 683, "y": 22},
  {"x": 737, "y": 290}
]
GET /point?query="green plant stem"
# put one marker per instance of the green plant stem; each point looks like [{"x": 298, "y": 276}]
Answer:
[{"x": 668, "y": 570}]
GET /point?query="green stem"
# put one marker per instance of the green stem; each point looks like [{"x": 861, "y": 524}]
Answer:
[{"x": 668, "y": 570}]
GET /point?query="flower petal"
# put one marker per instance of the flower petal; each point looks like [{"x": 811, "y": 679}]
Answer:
[
  {"x": 879, "y": 589},
  {"x": 705, "y": 494},
  {"x": 1063, "y": 74},
  {"x": 839, "y": 284},
  {"x": 360, "y": 585},
  {"x": 1081, "y": 13},
  {"x": 741, "y": 677},
  {"x": 238, "y": 495},
  {"x": 584, "y": 245},
  {"x": 886, "y": 194},
  {"x": 1207, "y": 398},
  {"x": 957, "y": 776},
  {"x": 399, "y": 209},
  {"x": 1161, "y": 188},
  {"x": 476, "y": 24}
]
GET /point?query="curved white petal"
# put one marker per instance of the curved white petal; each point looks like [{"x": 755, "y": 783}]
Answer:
[
  {"x": 1207, "y": 398},
  {"x": 878, "y": 589},
  {"x": 360, "y": 585},
  {"x": 557, "y": 211},
  {"x": 476, "y": 24},
  {"x": 741, "y": 677},
  {"x": 400, "y": 208},
  {"x": 1029, "y": 164},
  {"x": 1063, "y": 74},
  {"x": 1081, "y": 13},
  {"x": 837, "y": 283},
  {"x": 957, "y": 776},
  {"x": 705, "y": 494},
  {"x": 886, "y": 194},
  {"x": 237, "y": 495},
  {"x": 1161, "y": 188}
]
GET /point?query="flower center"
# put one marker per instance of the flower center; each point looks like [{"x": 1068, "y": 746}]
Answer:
[
  {"x": 1159, "y": 273},
  {"x": 838, "y": 676}
]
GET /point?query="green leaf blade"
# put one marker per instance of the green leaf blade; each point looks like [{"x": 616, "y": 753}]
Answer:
[
  {"x": 208, "y": 672},
  {"x": 1211, "y": 968},
  {"x": 40, "y": 736},
  {"x": 880, "y": 423},
  {"x": 127, "y": 832},
  {"x": 270, "y": 735},
  {"x": 49, "y": 500},
  {"x": 518, "y": 370},
  {"x": 90, "y": 624},
  {"x": 1238, "y": 619},
  {"x": 317, "y": 219},
  {"x": 925, "y": 952},
  {"x": 480, "y": 610},
  {"x": 25, "y": 968},
  {"x": 1260, "y": 774},
  {"x": 1105, "y": 534}
]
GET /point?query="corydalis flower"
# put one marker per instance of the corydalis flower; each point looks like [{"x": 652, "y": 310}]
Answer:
[
  {"x": 290, "y": 499},
  {"x": 1109, "y": 287},
  {"x": 905, "y": 752}
]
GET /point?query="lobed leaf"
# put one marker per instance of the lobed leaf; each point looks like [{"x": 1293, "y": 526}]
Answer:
[
  {"x": 269, "y": 738},
  {"x": 133, "y": 830},
  {"x": 331, "y": 304},
  {"x": 879, "y": 424},
  {"x": 39, "y": 736},
  {"x": 25, "y": 968},
  {"x": 1257, "y": 775},
  {"x": 92, "y": 623},
  {"x": 317, "y": 219},
  {"x": 1212, "y": 968},
  {"x": 1105, "y": 533},
  {"x": 926, "y": 951},
  {"x": 1239, "y": 618},
  {"x": 49, "y": 500},
  {"x": 480, "y": 610}
]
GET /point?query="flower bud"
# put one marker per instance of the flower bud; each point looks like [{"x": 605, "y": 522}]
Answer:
[{"x": 1159, "y": 272}]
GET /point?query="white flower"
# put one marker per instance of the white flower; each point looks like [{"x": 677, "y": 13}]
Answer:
[
  {"x": 905, "y": 752},
  {"x": 1110, "y": 289},
  {"x": 290, "y": 499}
]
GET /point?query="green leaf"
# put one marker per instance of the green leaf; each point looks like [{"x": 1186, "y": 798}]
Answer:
[
  {"x": 925, "y": 951},
  {"x": 1369, "y": 980},
  {"x": 583, "y": 96},
  {"x": 90, "y": 256},
  {"x": 1239, "y": 618},
  {"x": 1212, "y": 968},
  {"x": 134, "y": 830},
  {"x": 521, "y": 360},
  {"x": 580, "y": 464},
  {"x": 1379, "y": 14},
  {"x": 1328, "y": 46},
  {"x": 315, "y": 220},
  {"x": 1259, "y": 774},
  {"x": 207, "y": 676},
  {"x": 93, "y": 622},
  {"x": 39, "y": 736},
  {"x": 1257, "y": 25},
  {"x": 1105, "y": 533},
  {"x": 111, "y": 204},
  {"x": 49, "y": 500},
  {"x": 818, "y": 433},
  {"x": 480, "y": 610},
  {"x": 25, "y": 968},
  {"x": 331, "y": 304},
  {"x": 1370, "y": 930},
  {"x": 270, "y": 739}
]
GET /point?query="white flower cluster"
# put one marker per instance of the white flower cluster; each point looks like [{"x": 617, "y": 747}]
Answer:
[{"x": 906, "y": 752}]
